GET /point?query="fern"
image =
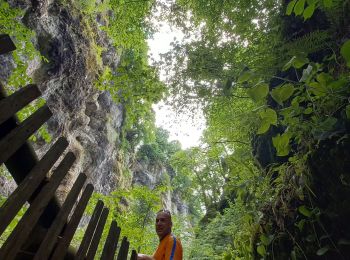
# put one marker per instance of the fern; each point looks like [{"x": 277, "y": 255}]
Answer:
[{"x": 309, "y": 43}]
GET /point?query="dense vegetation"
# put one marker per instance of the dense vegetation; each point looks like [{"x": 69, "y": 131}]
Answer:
[
  {"x": 273, "y": 80},
  {"x": 270, "y": 178}
]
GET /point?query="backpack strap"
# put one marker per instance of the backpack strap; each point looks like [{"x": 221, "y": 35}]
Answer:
[{"x": 173, "y": 249}]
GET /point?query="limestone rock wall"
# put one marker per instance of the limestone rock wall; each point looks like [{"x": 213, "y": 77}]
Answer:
[
  {"x": 150, "y": 175},
  {"x": 88, "y": 118}
]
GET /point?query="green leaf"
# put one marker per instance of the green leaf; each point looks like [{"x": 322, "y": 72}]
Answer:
[
  {"x": 281, "y": 94},
  {"x": 311, "y": 2},
  {"x": 338, "y": 84},
  {"x": 245, "y": 76},
  {"x": 265, "y": 240},
  {"x": 328, "y": 124},
  {"x": 343, "y": 242},
  {"x": 299, "y": 62},
  {"x": 305, "y": 211},
  {"x": 318, "y": 89},
  {"x": 290, "y": 7},
  {"x": 281, "y": 143},
  {"x": 288, "y": 64},
  {"x": 293, "y": 255},
  {"x": 264, "y": 127},
  {"x": 345, "y": 52},
  {"x": 308, "y": 111},
  {"x": 300, "y": 224},
  {"x": 324, "y": 78},
  {"x": 328, "y": 3},
  {"x": 268, "y": 118},
  {"x": 261, "y": 250},
  {"x": 296, "y": 61},
  {"x": 299, "y": 7},
  {"x": 322, "y": 250},
  {"x": 259, "y": 92},
  {"x": 309, "y": 11},
  {"x": 347, "y": 111}
]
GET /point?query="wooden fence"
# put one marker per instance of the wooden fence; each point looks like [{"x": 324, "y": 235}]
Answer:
[{"x": 45, "y": 230}]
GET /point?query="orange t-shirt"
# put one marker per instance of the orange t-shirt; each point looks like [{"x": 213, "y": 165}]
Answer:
[{"x": 167, "y": 250}]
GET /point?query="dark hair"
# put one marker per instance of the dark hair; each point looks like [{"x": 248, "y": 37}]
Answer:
[{"x": 165, "y": 211}]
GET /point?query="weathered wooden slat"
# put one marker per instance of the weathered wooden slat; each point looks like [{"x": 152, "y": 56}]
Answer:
[
  {"x": 111, "y": 242},
  {"x": 61, "y": 218},
  {"x": 25, "y": 190},
  {"x": 97, "y": 235},
  {"x": 85, "y": 243},
  {"x": 123, "y": 251},
  {"x": 11, "y": 142},
  {"x": 6, "y": 44},
  {"x": 12, "y": 104},
  {"x": 25, "y": 225},
  {"x": 133, "y": 255},
  {"x": 73, "y": 223},
  {"x": 25, "y": 154}
]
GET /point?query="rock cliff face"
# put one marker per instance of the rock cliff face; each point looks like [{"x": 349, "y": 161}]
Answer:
[
  {"x": 88, "y": 118},
  {"x": 150, "y": 175}
]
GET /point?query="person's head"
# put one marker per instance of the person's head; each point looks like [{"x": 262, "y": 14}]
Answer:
[{"x": 163, "y": 223}]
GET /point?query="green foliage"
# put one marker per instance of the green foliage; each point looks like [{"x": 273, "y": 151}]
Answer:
[
  {"x": 311, "y": 42},
  {"x": 234, "y": 52},
  {"x": 10, "y": 23},
  {"x": 134, "y": 210},
  {"x": 4, "y": 172},
  {"x": 345, "y": 52},
  {"x": 207, "y": 67},
  {"x": 159, "y": 151},
  {"x": 29, "y": 110},
  {"x": 268, "y": 117},
  {"x": 306, "y": 8},
  {"x": 134, "y": 83},
  {"x": 13, "y": 223},
  {"x": 231, "y": 49},
  {"x": 259, "y": 92},
  {"x": 305, "y": 211},
  {"x": 296, "y": 62},
  {"x": 282, "y": 93},
  {"x": 282, "y": 143}
]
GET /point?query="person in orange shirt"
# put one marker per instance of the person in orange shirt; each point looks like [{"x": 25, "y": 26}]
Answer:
[{"x": 169, "y": 247}]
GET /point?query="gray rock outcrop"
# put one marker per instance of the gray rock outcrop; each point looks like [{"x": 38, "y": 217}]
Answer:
[
  {"x": 88, "y": 118},
  {"x": 151, "y": 175}
]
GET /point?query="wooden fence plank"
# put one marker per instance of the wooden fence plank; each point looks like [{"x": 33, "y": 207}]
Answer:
[
  {"x": 17, "y": 137},
  {"x": 85, "y": 243},
  {"x": 133, "y": 255},
  {"x": 25, "y": 225},
  {"x": 61, "y": 218},
  {"x": 73, "y": 223},
  {"x": 12, "y": 104},
  {"x": 97, "y": 235},
  {"x": 25, "y": 190},
  {"x": 6, "y": 44},
  {"x": 123, "y": 251},
  {"x": 25, "y": 154},
  {"x": 111, "y": 242}
]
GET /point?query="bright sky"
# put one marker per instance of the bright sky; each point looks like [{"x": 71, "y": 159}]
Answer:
[{"x": 187, "y": 130}]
